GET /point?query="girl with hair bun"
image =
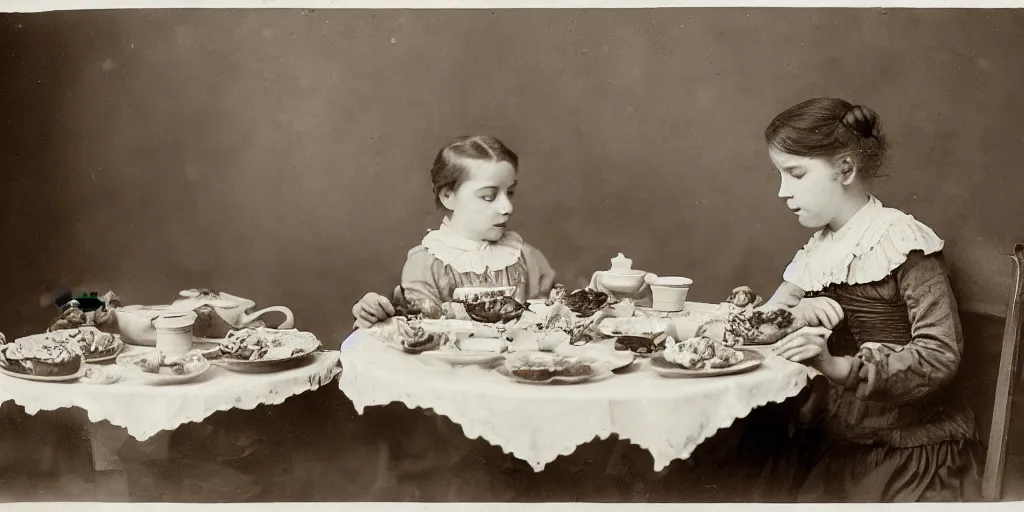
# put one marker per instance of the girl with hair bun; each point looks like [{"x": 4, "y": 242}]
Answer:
[{"x": 881, "y": 320}]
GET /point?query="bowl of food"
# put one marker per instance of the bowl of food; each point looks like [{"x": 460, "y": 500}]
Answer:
[{"x": 490, "y": 305}]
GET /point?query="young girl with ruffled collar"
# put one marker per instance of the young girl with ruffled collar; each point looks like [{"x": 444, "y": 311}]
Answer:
[
  {"x": 887, "y": 333},
  {"x": 474, "y": 180}
]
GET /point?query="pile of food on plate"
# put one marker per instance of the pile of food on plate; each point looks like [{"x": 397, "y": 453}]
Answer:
[
  {"x": 701, "y": 353},
  {"x": 487, "y": 318},
  {"x": 94, "y": 343},
  {"x": 154, "y": 361},
  {"x": 267, "y": 344},
  {"x": 568, "y": 317},
  {"x": 75, "y": 312},
  {"x": 483, "y": 304},
  {"x": 750, "y": 327},
  {"x": 409, "y": 335},
  {"x": 543, "y": 366},
  {"x": 42, "y": 356}
]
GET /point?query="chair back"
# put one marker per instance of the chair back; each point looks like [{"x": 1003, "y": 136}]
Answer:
[{"x": 995, "y": 460}]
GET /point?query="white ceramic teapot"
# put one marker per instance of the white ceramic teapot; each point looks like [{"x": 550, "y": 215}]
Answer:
[
  {"x": 217, "y": 313},
  {"x": 220, "y": 312}
]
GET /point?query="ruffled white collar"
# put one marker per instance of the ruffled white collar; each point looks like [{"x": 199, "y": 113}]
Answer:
[
  {"x": 465, "y": 255},
  {"x": 874, "y": 242}
]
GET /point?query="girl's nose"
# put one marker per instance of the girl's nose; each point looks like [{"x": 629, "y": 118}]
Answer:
[
  {"x": 505, "y": 206},
  {"x": 783, "y": 192}
]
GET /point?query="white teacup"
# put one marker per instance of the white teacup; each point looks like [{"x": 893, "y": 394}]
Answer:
[
  {"x": 669, "y": 293},
  {"x": 174, "y": 332}
]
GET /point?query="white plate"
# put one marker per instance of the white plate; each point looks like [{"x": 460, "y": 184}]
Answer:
[
  {"x": 61, "y": 378},
  {"x": 639, "y": 326},
  {"x": 601, "y": 353},
  {"x": 751, "y": 361},
  {"x": 166, "y": 376},
  {"x": 460, "y": 358}
]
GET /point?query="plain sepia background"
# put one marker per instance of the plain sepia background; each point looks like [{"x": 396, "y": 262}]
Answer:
[{"x": 283, "y": 155}]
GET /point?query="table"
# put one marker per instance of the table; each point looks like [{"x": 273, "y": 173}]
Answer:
[
  {"x": 667, "y": 417},
  {"x": 147, "y": 413}
]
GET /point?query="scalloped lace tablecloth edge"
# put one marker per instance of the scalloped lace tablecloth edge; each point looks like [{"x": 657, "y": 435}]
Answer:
[{"x": 98, "y": 410}]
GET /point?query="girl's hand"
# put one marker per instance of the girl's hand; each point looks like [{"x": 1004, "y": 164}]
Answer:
[
  {"x": 372, "y": 308},
  {"x": 807, "y": 343},
  {"x": 818, "y": 312},
  {"x": 810, "y": 345}
]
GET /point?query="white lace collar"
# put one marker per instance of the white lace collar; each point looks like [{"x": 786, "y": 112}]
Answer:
[
  {"x": 874, "y": 242},
  {"x": 465, "y": 255}
]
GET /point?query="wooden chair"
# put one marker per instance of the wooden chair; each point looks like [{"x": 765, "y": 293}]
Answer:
[{"x": 995, "y": 461}]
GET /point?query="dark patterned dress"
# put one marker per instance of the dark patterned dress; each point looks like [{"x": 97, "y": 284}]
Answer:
[{"x": 898, "y": 429}]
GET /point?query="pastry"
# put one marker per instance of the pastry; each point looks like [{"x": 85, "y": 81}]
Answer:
[
  {"x": 700, "y": 353},
  {"x": 744, "y": 296},
  {"x": 42, "y": 356},
  {"x": 408, "y": 336},
  {"x": 540, "y": 367},
  {"x": 266, "y": 344},
  {"x": 755, "y": 327}
]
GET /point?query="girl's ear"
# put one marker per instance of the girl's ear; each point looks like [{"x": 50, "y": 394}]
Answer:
[
  {"x": 847, "y": 170},
  {"x": 447, "y": 196}
]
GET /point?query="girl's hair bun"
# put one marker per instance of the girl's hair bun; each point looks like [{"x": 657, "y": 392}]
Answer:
[
  {"x": 862, "y": 120},
  {"x": 831, "y": 128}
]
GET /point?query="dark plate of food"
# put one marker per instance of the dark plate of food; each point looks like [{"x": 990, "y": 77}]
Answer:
[
  {"x": 585, "y": 302},
  {"x": 42, "y": 358},
  {"x": 641, "y": 345},
  {"x": 756, "y": 327}
]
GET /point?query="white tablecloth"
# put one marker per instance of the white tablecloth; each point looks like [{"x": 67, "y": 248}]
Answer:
[
  {"x": 667, "y": 417},
  {"x": 144, "y": 410}
]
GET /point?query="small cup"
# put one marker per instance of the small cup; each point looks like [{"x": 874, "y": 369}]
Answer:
[
  {"x": 669, "y": 293},
  {"x": 174, "y": 332},
  {"x": 622, "y": 281}
]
